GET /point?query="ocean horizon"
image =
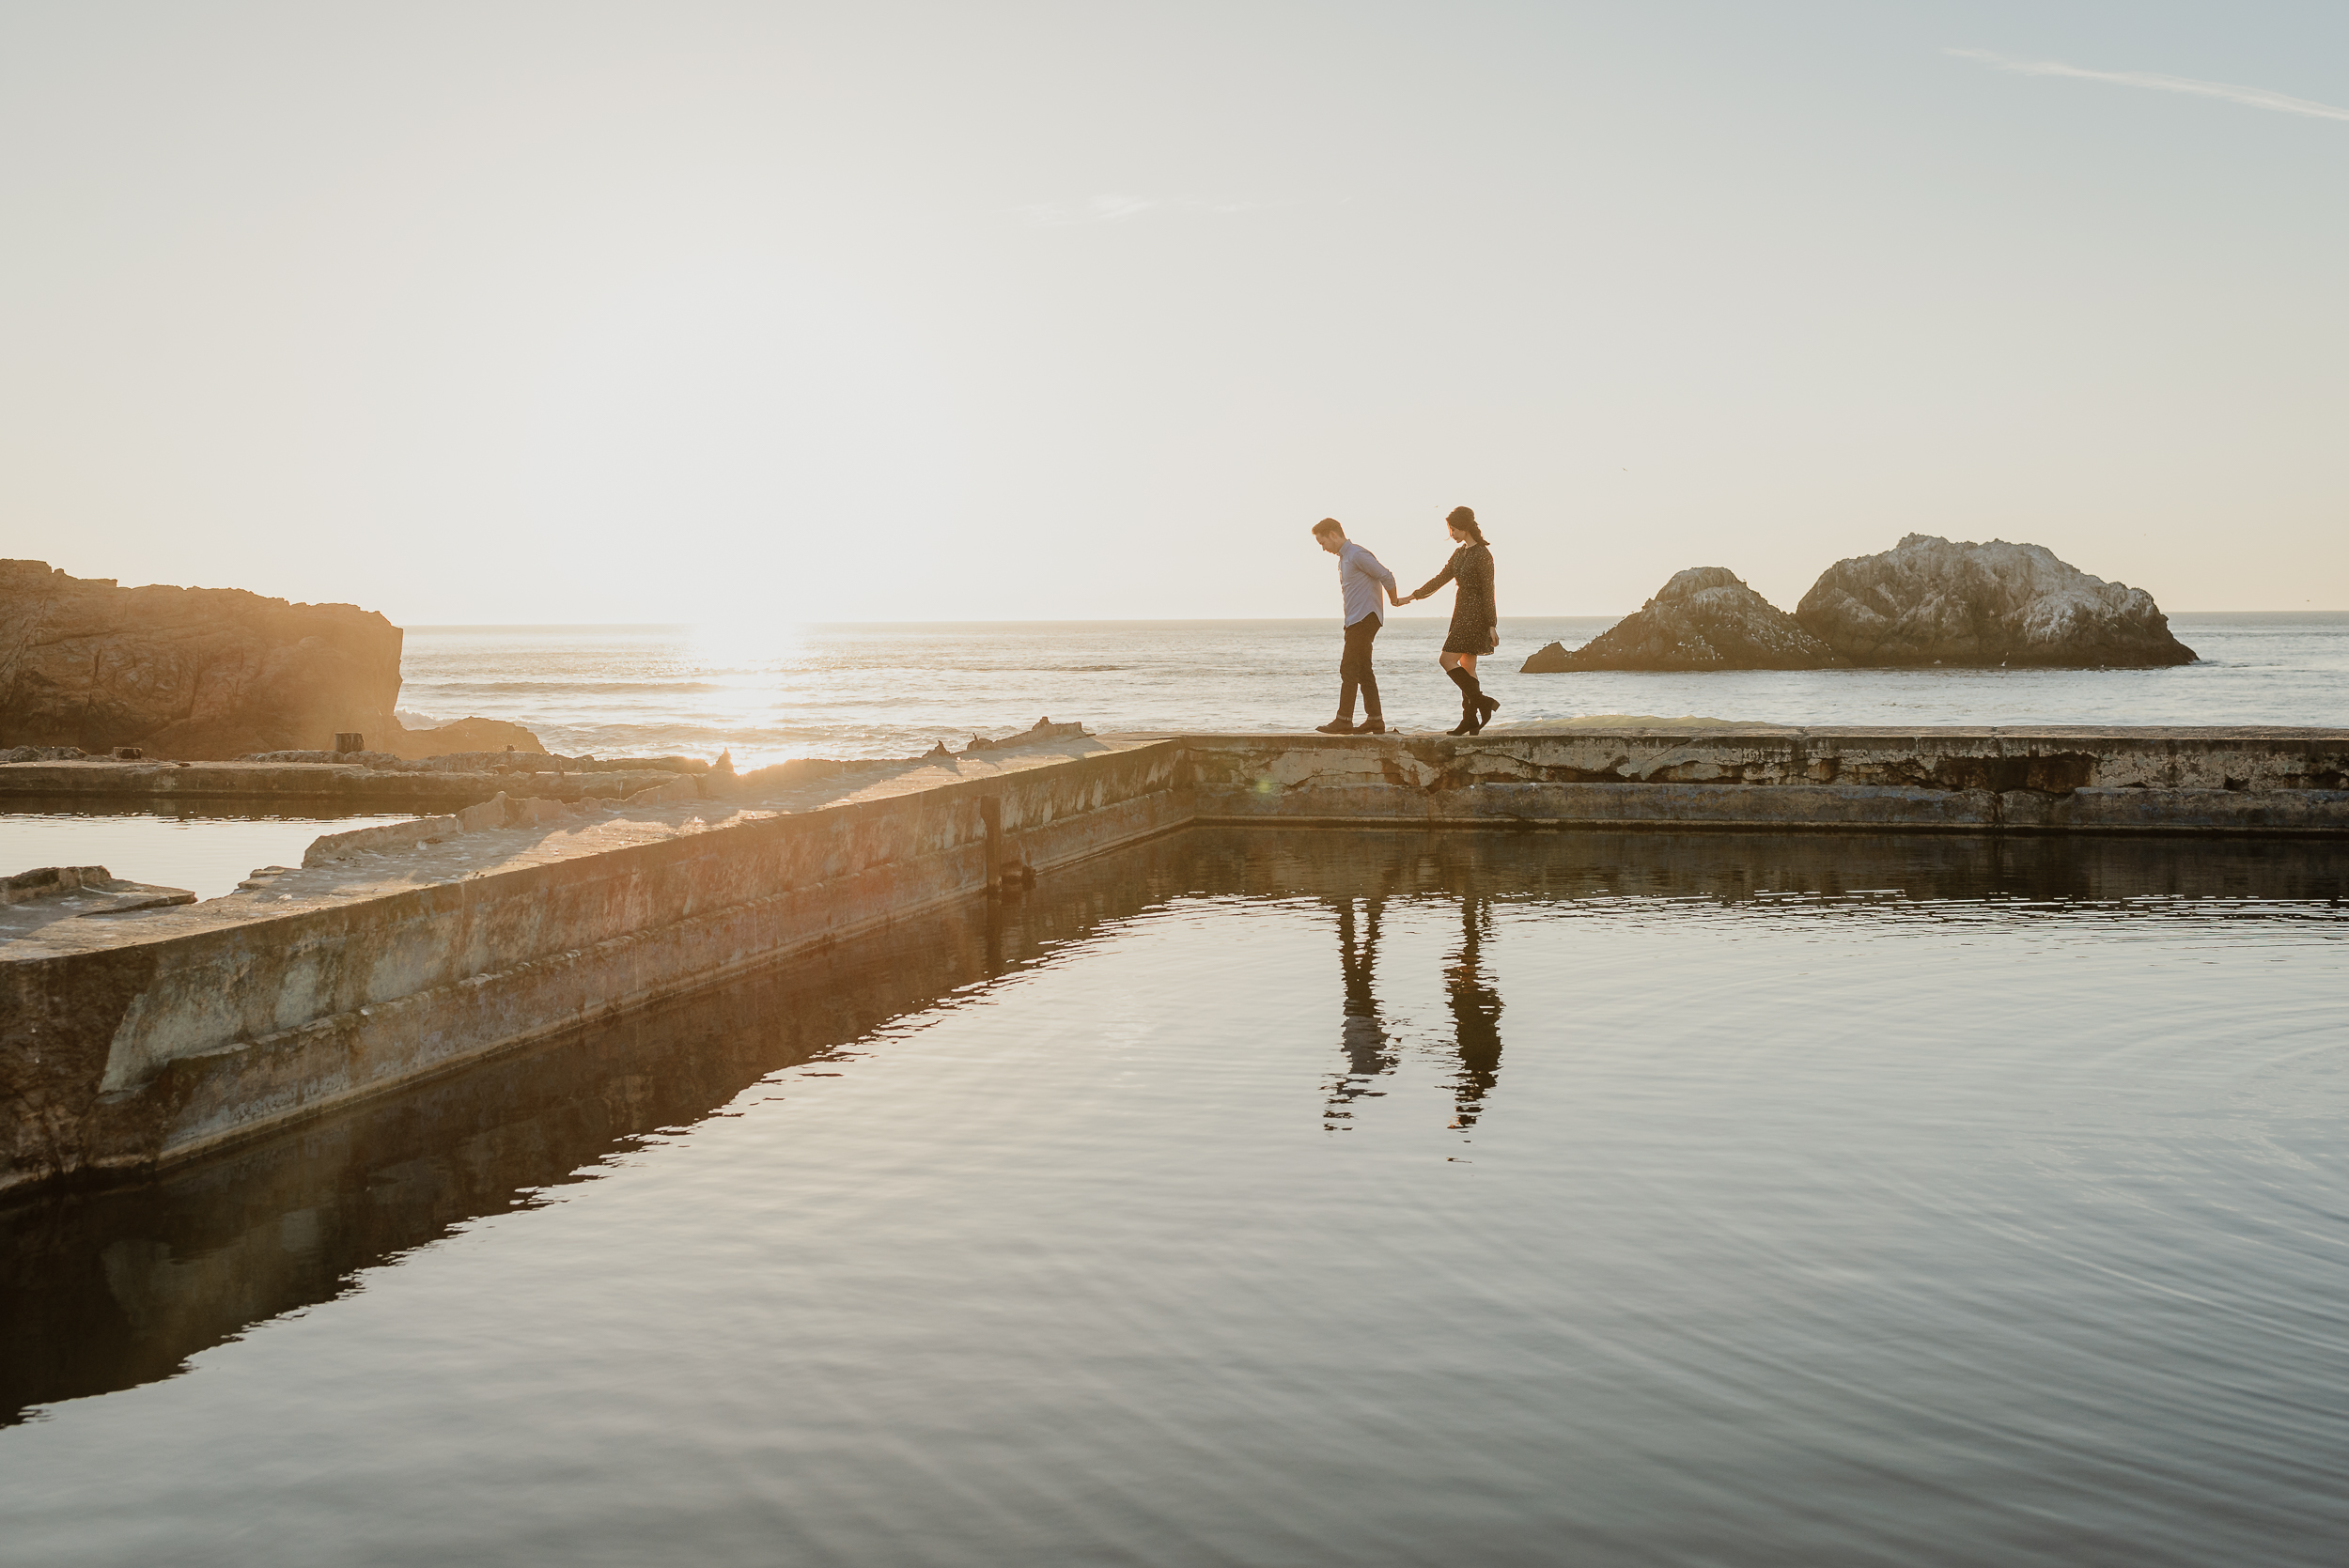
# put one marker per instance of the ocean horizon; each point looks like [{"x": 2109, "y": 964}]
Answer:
[{"x": 873, "y": 689}]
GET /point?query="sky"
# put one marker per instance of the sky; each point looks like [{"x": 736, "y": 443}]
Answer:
[{"x": 499, "y": 312}]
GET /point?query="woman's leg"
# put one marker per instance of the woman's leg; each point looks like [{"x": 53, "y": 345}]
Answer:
[
  {"x": 1466, "y": 681},
  {"x": 1476, "y": 707},
  {"x": 1486, "y": 707}
]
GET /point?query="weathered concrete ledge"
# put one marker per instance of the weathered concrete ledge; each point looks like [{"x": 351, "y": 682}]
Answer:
[
  {"x": 348, "y": 787},
  {"x": 2259, "y": 782},
  {"x": 148, "y": 1037},
  {"x": 2040, "y": 757}
]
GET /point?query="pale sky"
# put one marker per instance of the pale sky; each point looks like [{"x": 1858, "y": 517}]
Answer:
[{"x": 494, "y": 312}]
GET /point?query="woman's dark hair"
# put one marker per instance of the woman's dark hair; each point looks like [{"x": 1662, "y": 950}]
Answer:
[{"x": 1465, "y": 521}]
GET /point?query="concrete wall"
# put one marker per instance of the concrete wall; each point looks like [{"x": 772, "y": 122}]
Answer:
[
  {"x": 126, "y": 1044},
  {"x": 120, "y": 1286},
  {"x": 311, "y": 785},
  {"x": 145, "y": 1039},
  {"x": 2261, "y": 783}
]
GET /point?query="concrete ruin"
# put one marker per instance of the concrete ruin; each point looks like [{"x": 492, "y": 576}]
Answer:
[{"x": 512, "y": 911}]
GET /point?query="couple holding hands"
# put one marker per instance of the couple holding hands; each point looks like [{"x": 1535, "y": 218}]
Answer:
[{"x": 1475, "y": 627}]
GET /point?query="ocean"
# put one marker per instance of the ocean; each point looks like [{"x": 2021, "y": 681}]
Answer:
[{"x": 768, "y": 693}]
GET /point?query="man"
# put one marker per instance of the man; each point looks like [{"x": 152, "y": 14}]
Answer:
[{"x": 1360, "y": 578}]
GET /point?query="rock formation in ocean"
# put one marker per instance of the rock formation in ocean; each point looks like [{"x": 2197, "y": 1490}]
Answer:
[
  {"x": 1704, "y": 619},
  {"x": 1931, "y": 601},
  {"x": 458, "y": 735},
  {"x": 205, "y": 673}
]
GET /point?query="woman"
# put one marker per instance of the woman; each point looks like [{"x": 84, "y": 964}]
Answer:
[{"x": 1475, "y": 627}]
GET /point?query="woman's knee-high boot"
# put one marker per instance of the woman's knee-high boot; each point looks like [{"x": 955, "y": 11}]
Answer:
[
  {"x": 1469, "y": 693},
  {"x": 1480, "y": 707}
]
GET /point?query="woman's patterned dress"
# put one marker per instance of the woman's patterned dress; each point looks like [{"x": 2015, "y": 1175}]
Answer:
[{"x": 1473, "y": 620}]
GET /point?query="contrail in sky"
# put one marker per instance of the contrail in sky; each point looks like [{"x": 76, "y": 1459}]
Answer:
[{"x": 2256, "y": 97}]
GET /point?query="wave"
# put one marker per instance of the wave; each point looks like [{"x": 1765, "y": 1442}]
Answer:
[{"x": 567, "y": 686}]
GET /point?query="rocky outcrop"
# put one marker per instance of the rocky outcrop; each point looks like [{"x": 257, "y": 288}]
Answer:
[
  {"x": 1704, "y": 619},
  {"x": 1043, "y": 729},
  {"x": 458, "y": 735},
  {"x": 207, "y": 674},
  {"x": 1932, "y": 601},
  {"x": 203, "y": 672}
]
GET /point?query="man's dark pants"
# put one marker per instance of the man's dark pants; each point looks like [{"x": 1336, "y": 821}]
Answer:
[{"x": 1354, "y": 671}]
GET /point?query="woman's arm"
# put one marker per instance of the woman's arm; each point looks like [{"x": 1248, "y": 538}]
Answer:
[
  {"x": 1439, "y": 580},
  {"x": 1492, "y": 606}
]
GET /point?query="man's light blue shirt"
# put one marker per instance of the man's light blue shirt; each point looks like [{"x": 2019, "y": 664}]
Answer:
[{"x": 1360, "y": 578}]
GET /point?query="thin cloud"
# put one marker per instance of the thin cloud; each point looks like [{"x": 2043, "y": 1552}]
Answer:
[
  {"x": 2255, "y": 98},
  {"x": 1117, "y": 208}
]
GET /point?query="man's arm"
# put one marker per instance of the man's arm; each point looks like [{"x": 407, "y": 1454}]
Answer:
[{"x": 1370, "y": 566}]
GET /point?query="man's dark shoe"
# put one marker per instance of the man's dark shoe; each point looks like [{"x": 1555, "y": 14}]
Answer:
[
  {"x": 1337, "y": 726},
  {"x": 1372, "y": 726}
]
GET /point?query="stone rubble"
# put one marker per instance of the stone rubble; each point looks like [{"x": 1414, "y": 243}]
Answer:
[{"x": 86, "y": 890}]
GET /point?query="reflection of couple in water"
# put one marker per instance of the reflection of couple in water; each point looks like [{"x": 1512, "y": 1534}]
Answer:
[
  {"x": 1475, "y": 624},
  {"x": 1475, "y": 1012}
]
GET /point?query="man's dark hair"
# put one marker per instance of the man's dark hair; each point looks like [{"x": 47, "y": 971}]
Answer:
[{"x": 1328, "y": 525}]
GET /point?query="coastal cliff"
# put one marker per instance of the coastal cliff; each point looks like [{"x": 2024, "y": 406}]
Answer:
[
  {"x": 198, "y": 673},
  {"x": 207, "y": 675}
]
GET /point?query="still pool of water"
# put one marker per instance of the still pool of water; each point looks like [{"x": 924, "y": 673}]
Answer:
[
  {"x": 206, "y": 850},
  {"x": 1290, "y": 1199}
]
